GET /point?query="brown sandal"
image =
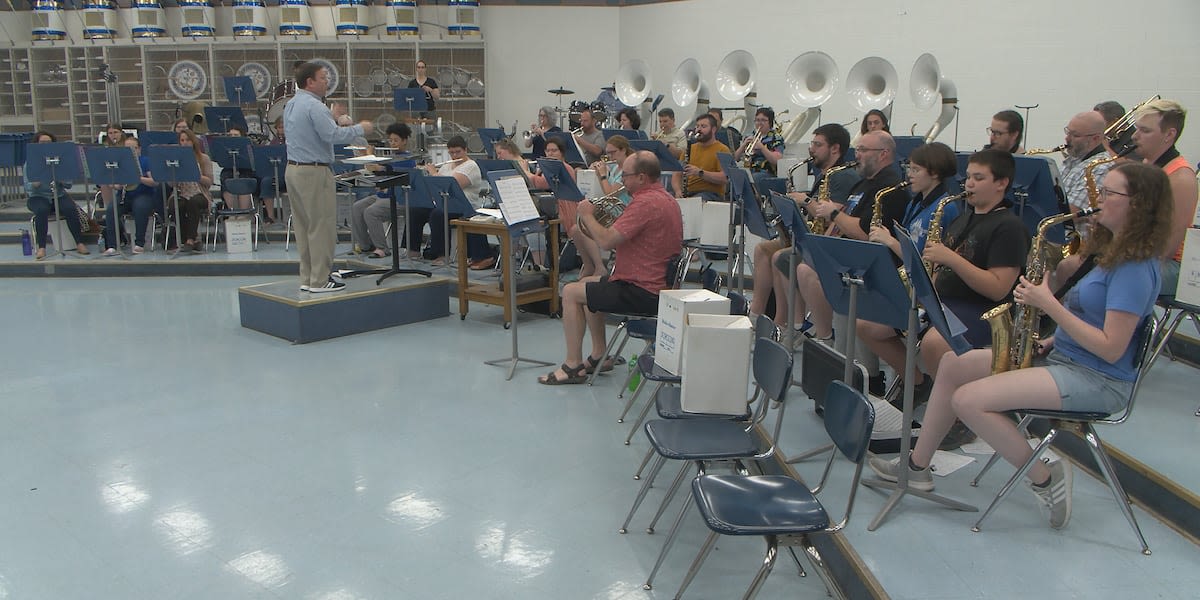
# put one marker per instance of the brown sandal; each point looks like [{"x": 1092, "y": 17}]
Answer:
[
  {"x": 575, "y": 375},
  {"x": 592, "y": 363}
]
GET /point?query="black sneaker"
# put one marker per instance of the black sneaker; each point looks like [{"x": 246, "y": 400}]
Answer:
[
  {"x": 876, "y": 385},
  {"x": 920, "y": 393},
  {"x": 330, "y": 286},
  {"x": 958, "y": 435}
]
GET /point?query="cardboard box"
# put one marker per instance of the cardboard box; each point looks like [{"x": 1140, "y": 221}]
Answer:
[
  {"x": 1189, "y": 269},
  {"x": 673, "y": 308},
  {"x": 714, "y": 228},
  {"x": 238, "y": 239},
  {"x": 691, "y": 209},
  {"x": 716, "y": 364},
  {"x": 588, "y": 183}
]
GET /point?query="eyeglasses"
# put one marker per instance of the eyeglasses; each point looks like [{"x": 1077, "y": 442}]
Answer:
[
  {"x": 991, "y": 131},
  {"x": 860, "y": 149},
  {"x": 1105, "y": 192},
  {"x": 915, "y": 168},
  {"x": 610, "y": 150},
  {"x": 627, "y": 174},
  {"x": 420, "y": 66},
  {"x": 1076, "y": 134}
]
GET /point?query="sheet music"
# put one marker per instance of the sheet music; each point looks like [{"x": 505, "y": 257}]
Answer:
[{"x": 515, "y": 202}]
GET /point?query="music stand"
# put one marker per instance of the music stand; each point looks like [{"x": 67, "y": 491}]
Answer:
[
  {"x": 572, "y": 153},
  {"x": 741, "y": 193},
  {"x": 489, "y": 136},
  {"x": 221, "y": 118},
  {"x": 180, "y": 163},
  {"x": 444, "y": 192},
  {"x": 522, "y": 218},
  {"x": 793, "y": 220},
  {"x": 45, "y": 164},
  {"x": 121, "y": 168},
  {"x": 239, "y": 90},
  {"x": 409, "y": 100},
  {"x": 560, "y": 181},
  {"x": 1034, "y": 196},
  {"x": 923, "y": 295},
  {"x": 666, "y": 161},
  {"x": 629, "y": 134},
  {"x": 158, "y": 138},
  {"x": 273, "y": 160}
]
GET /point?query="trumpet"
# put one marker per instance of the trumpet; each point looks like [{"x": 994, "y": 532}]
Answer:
[
  {"x": 748, "y": 155},
  {"x": 577, "y": 131},
  {"x": 1036, "y": 151}
]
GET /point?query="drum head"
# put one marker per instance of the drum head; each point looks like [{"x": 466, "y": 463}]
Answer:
[
  {"x": 378, "y": 76},
  {"x": 275, "y": 109}
]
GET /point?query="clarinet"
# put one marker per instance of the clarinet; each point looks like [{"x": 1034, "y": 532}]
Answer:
[{"x": 687, "y": 157}]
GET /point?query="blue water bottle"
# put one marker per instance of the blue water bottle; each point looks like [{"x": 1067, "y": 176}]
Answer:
[{"x": 26, "y": 243}]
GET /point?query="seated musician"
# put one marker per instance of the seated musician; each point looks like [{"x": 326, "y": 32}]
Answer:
[
  {"x": 669, "y": 134},
  {"x": 768, "y": 147},
  {"x": 1084, "y": 134},
  {"x": 629, "y": 119},
  {"x": 466, "y": 172},
  {"x": 726, "y": 135},
  {"x": 876, "y": 155},
  {"x": 369, "y": 215},
  {"x": 706, "y": 179},
  {"x": 617, "y": 149},
  {"x": 243, "y": 201},
  {"x": 874, "y": 120},
  {"x": 1089, "y": 365},
  {"x": 194, "y": 197},
  {"x": 114, "y": 137},
  {"x": 589, "y": 253},
  {"x": 41, "y": 203},
  {"x": 1006, "y": 131},
  {"x": 590, "y": 138},
  {"x": 827, "y": 150},
  {"x": 141, "y": 200},
  {"x": 536, "y": 140},
  {"x": 1158, "y": 127},
  {"x": 646, "y": 237}
]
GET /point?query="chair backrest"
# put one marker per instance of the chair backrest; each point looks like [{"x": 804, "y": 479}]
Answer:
[
  {"x": 764, "y": 327},
  {"x": 1142, "y": 360},
  {"x": 849, "y": 418},
  {"x": 710, "y": 279},
  {"x": 772, "y": 367},
  {"x": 676, "y": 271}
]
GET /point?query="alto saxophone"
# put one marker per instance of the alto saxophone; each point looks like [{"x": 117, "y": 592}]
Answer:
[
  {"x": 934, "y": 235},
  {"x": 777, "y": 223},
  {"x": 1015, "y": 331},
  {"x": 818, "y": 226},
  {"x": 877, "y": 221}
]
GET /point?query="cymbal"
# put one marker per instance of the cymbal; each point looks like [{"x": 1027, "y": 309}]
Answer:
[{"x": 559, "y": 92}]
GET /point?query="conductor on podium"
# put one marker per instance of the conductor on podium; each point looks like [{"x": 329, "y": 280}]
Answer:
[{"x": 311, "y": 133}]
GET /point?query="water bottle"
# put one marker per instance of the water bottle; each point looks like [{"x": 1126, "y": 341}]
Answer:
[
  {"x": 26, "y": 243},
  {"x": 636, "y": 376}
]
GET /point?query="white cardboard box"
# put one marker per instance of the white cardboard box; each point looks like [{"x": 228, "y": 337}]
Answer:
[
  {"x": 691, "y": 209},
  {"x": 714, "y": 227},
  {"x": 238, "y": 239},
  {"x": 673, "y": 308},
  {"x": 588, "y": 183},
  {"x": 1189, "y": 269},
  {"x": 716, "y": 364}
]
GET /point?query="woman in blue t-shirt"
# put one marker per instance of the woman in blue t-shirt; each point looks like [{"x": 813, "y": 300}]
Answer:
[{"x": 1091, "y": 365}]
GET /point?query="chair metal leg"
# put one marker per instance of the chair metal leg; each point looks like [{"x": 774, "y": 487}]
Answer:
[
  {"x": 807, "y": 454},
  {"x": 697, "y": 563},
  {"x": 666, "y": 501},
  {"x": 1023, "y": 427},
  {"x": 1008, "y": 487},
  {"x": 608, "y": 349},
  {"x": 287, "y": 234},
  {"x": 633, "y": 368},
  {"x": 662, "y": 554},
  {"x": 642, "y": 494},
  {"x": 1114, "y": 485},
  {"x": 796, "y": 559},
  {"x": 641, "y": 416},
  {"x": 645, "y": 461},
  {"x": 632, "y": 399},
  {"x": 765, "y": 570}
]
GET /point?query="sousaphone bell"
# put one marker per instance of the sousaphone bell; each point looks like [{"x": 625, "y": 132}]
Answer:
[
  {"x": 812, "y": 79},
  {"x": 925, "y": 85},
  {"x": 872, "y": 84}
]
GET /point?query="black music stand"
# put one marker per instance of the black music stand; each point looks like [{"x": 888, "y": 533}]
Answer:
[
  {"x": 410, "y": 100},
  {"x": 444, "y": 192},
  {"x": 666, "y": 161},
  {"x": 272, "y": 159},
  {"x": 158, "y": 138},
  {"x": 48, "y": 164},
  {"x": 522, "y": 218},
  {"x": 180, "y": 163},
  {"x": 560, "y": 181},
  {"x": 489, "y": 136},
  {"x": 572, "y": 154},
  {"x": 792, "y": 218},
  {"x": 239, "y": 90},
  {"x": 221, "y": 118},
  {"x": 120, "y": 168},
  {"x": 742, "y": 194},
  {"x": 232, "y": 152},
  {"x": 923, "y": 295}
]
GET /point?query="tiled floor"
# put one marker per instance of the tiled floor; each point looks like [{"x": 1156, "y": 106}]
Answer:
[{"x": 153, "y": 448}]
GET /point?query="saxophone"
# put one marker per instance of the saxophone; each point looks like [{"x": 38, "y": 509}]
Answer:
[
  {"x": 777, "y": 223},
  {"x": 1015, "y": 329},
  {"x": 818, "y": 226},
  {"x": 934, "y": 234},
  {"x": 877, "y": 221}
]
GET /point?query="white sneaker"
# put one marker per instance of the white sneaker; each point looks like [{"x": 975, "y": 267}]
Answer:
[
  {"x": 330, "y": 286},
  {"x": 138, "y": 249},
  {"x": 110, "y": 252},
  {"x": 1055, "y": 498},
  {"x": 305, "y": 288},
  {"x": 889, "y": 470}
]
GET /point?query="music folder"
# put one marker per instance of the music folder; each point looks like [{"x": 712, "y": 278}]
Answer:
[
  {"x": 629, "y": 134},
  {"x": 743, "y": 191},
  {"x": 572, "y": 153},
  {"x": 666, "y": 161},
  {"x": 489, "y": 136}
]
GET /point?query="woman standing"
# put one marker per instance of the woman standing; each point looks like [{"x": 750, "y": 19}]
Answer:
[
  {"x": 427, "y": 84},
  {"x": 194, "y": 197},
  {"x": 41, "y": 204},
  {"x": 1091, "y": 364}
]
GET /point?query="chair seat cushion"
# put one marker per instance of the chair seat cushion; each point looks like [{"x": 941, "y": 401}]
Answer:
[
  {"x": 653, "y": 372},
  {"x": 758, "y": 505},
  {"x": 670, "y": 406},
  {"x": 701, "y": 439},
  {"x": 1065, "y": 415},
  {"x": 642, "y": 329}
]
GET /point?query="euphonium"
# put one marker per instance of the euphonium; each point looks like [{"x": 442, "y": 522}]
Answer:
[
  {"x": 934, "y": 235},
  {"x": 815, "y": 225},
  {"x": 1015, "y": 331}
]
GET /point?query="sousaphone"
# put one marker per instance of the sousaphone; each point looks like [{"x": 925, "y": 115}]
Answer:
[
  {"x": 925, "y": 85},
  {"x": 736, "y": 76},
  {"x": 872, "y": 84},
  {"x": 812, "y": 79}
]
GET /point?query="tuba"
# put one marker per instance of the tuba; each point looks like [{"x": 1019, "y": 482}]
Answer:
[{"x": 1015, "y": 329}]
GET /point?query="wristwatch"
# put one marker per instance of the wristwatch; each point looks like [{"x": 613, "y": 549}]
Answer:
[
  {"x": 833, "y": 214},
  {"x": 603, "y": 176}
]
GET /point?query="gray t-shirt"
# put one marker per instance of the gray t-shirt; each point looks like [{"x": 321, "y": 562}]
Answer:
[{"x": 596, "y": 137}]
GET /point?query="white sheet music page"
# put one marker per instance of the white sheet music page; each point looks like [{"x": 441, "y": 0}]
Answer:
[{"x": 515, "y": 201}]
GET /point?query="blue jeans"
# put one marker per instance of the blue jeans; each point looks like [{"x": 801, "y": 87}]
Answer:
[
  {"x": 141, "y": 206},
  {"x": 43, "y": 207}
]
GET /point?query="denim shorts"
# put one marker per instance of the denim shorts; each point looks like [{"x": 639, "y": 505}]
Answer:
[{"x": 1084, "y": 389}]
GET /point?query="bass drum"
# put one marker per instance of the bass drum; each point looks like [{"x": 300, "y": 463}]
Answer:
[{"x": 279, "y": 98}]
